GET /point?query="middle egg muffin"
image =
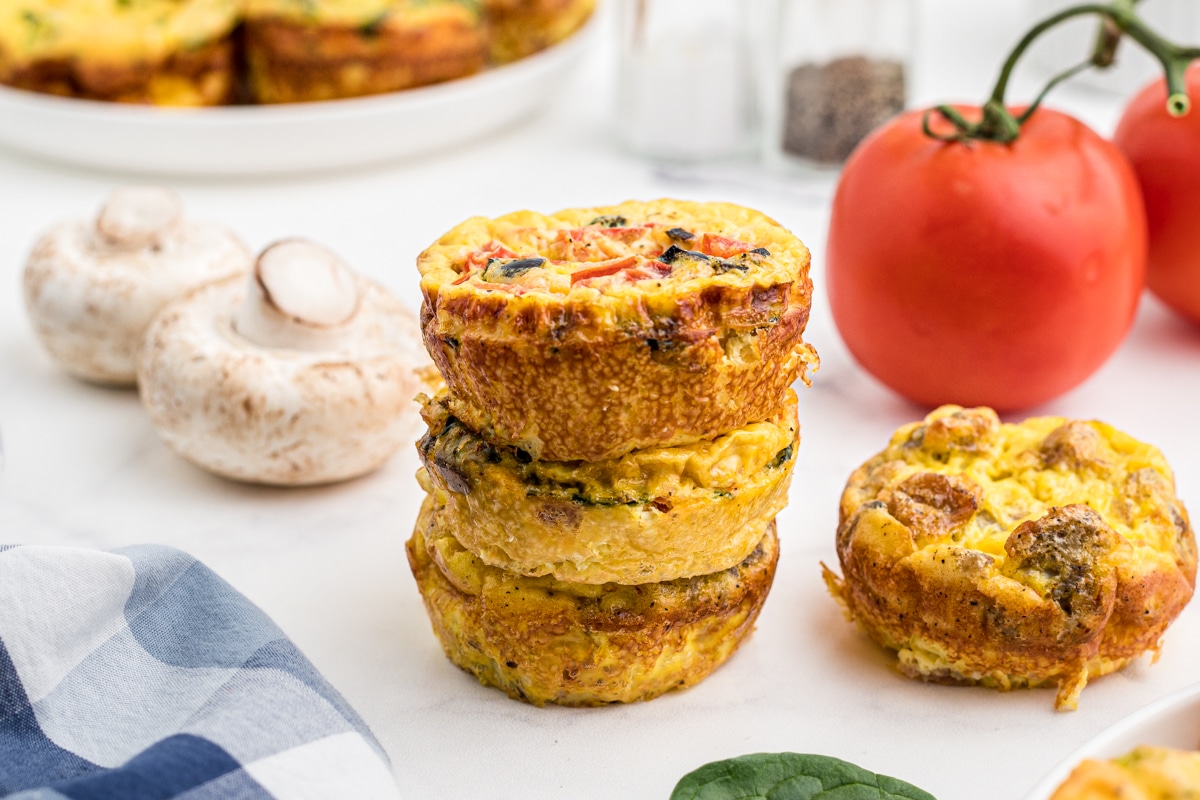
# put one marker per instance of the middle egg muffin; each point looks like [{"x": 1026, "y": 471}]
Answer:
[{"x": 652, "y": 515}]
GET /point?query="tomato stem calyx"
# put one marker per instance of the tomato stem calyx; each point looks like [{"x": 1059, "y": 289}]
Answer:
[{"x": 1119, "y": 19}]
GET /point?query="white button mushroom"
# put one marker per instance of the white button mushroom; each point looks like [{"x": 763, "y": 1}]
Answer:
[
  {"x": 91, "y": 288},
  {"x": 303, "y": 374}
]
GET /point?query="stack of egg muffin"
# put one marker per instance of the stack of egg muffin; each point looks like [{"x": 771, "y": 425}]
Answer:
[{"x": 615, "y": 438}]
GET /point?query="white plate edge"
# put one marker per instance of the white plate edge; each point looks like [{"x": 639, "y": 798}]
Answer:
[{"x": 1103, "y": 744}]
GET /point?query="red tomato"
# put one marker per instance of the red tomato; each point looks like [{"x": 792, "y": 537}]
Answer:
[
  {"x": 982, "y": 273},
  {"x": 1165, "y": 153}
]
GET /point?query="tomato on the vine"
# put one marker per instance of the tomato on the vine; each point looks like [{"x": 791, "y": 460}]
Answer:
[
  {"x": 1165, "y": 153},
  {"x": 985, "y": 272}
]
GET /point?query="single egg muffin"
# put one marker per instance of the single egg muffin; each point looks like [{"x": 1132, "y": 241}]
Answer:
[
  {"x": 523, "y": 27},
  {"x": 589, "y": 333},
  {"x": 300, "y": 50},
  {"x": 161, "y": 52},
  {"x": 1039, "y": 553},
  {"x": 651, "y": 515},
  {"x": 542, "y": 640},
  {"x": 1146, "y": 773}
]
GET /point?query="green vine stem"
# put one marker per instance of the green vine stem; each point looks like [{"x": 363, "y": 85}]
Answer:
[{"x": 998, "y": 124}]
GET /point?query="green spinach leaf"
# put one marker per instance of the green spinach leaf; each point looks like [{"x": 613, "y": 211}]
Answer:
[{"x": 791, "y": 776}]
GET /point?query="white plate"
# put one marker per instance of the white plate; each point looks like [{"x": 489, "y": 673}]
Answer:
[
  {"x": 302, "y": 137},
  {"x": 1173, "y": 721}
]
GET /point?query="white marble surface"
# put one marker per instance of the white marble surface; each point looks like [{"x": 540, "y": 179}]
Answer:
[{"x": 84, "y": 467}]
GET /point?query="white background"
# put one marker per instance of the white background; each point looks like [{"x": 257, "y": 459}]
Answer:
[{"x": 84, "y": 467}]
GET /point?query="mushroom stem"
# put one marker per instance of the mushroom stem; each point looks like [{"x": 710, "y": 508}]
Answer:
[
  {"x": 302, "y": 297},
  {"x": 134, "y": 217}
]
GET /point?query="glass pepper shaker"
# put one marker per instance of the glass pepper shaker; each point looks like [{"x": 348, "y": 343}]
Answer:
[{"x": 836, "y": 70}]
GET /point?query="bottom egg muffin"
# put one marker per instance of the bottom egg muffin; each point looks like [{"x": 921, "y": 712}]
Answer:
[
  {"x": 543, "y": 640},
  {"x": 1146, "y": 773},
  {"x": 1040, "y": 553}
]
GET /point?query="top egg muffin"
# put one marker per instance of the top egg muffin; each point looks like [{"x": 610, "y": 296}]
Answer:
[
  {"x": 1039, "y": 553},
  {"x": 591, "y": 332}
]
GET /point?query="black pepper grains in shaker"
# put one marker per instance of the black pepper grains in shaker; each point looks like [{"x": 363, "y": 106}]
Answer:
[{"x": 831, "y": 107}]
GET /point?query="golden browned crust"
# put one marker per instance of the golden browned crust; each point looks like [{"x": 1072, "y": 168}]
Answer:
[
  {"x": 594, "y": 372},
  {"x": 522, "y": 27},
  {"x": 292, "y": 61},
  {"x": 652, "y": 515},
  {"x": 593, "y": 401},
  {"x": 200, "y": 76},
  {"x": 1014, "y": 555},
  {"x": 546, "y": 641}
]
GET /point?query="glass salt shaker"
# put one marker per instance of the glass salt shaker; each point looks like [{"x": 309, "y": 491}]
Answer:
[
  {"x": 835, "y": 70},
  {"x": 686, "y": 83}
]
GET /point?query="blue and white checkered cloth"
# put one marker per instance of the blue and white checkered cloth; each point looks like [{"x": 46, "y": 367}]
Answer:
[{"x": 139, "y": 674}]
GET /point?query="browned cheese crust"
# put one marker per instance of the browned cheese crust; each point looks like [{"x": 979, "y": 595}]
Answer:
[
  {"x": 522, "y": 27},
  {"x": 586, "y": 368},
  {"x": 293, "y": 61},
  {"x": 201, "y": 76},
  {"x": 1014, "y": 555},
  {"x": 545, "y": 641}
]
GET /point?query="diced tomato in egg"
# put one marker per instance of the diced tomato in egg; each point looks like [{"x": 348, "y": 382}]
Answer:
[
  {"x": 478, "y": 259},
  {"x": 722, "y": 247}
]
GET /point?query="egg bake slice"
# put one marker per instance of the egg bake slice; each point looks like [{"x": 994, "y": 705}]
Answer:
[
  {"x": 1144, "y": 773},
  {"x": 162, "y": 52},
  {"x": 326, "y": 49},
  {"x": 519, "y": 28},
  {"x": 542, "y": 640},
  {"x": 591, "y": 332},
  {"x": 1039, "y": 553},
  {"x": 651, "y": 515}
]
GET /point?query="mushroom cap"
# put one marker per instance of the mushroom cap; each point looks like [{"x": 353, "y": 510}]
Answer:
[
  {"x": 302, "y": 297},
  {"x": 275, "y": 415},
  {"x": 307, "y": 283},
  {"x": 92, "y": 289},
  {"x": 139, "y": 216}
]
